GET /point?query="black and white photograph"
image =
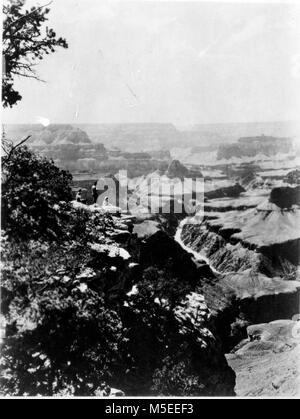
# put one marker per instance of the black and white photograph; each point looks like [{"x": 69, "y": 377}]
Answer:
[{"x": 150, "y": 202}]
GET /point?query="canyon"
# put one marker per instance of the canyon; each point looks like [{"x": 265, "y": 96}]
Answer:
[
  {"x": 245, "y": 249},
  {"x": 234, "y": 249},
  {"x": 246, "y": 246}
]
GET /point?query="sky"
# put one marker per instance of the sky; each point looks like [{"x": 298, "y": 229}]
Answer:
[{"x": 169, "y": 62}]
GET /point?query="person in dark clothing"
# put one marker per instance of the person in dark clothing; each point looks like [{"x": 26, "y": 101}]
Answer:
[
  {"x": 95, "y": 193},
  {"x": 79, "y": 197}
]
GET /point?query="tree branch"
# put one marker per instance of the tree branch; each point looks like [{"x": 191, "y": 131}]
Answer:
[
  {"x": 24, "y": 17},
  {"x": 28, "y": 76},
  {"x": 24, "y": 43},
  {"x": 8, "y": 157}
]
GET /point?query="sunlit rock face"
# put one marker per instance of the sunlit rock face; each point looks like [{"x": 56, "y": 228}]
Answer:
[{"x": 271, "y": 352}]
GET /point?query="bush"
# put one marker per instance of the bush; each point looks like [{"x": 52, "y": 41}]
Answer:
[
  {"x": 177, "y": 379},
  {"x": 61, "y": 334},
  {"x": 34, "y": 196}
]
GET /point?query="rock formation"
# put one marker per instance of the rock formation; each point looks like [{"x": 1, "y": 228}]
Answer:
[
  {"x": 68, "y": 145},
  {"x": 271, "y": 353}
]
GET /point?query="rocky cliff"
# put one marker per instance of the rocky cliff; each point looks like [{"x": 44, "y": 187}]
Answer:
[
  {"x": 271, "y": 353},
  {"x": 265, "y": 236},
  {"x": 154, "y": 286}
]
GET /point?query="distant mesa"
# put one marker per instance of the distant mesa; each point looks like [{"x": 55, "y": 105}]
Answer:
[
  {"x": 60, "y": 134},
  {"x": 73, "y": 149},
  {"x": 265, "y": 139},
  {"x": 253, "y": 146},
  {"x": 74, "y": 136},
  {"x": 70, "y": 147}
]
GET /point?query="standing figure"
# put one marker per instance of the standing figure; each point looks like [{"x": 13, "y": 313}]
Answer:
[
  {"x": 95, "y": 193},
  {"x": 79, "y": 196}
]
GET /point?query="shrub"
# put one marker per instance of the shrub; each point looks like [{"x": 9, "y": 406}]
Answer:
[
  {"x": 34, "y": 196},
  {"x": 61, "y": 334}
]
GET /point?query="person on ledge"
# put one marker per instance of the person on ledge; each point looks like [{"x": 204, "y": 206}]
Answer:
[
  {"x": 106, "y": 202},
  {"x": 79, "y": 197},
  {"x": 95, "y": 193}
]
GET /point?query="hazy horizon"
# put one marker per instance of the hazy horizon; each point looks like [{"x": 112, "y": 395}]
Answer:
[{"x": 296, "y": 121}]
